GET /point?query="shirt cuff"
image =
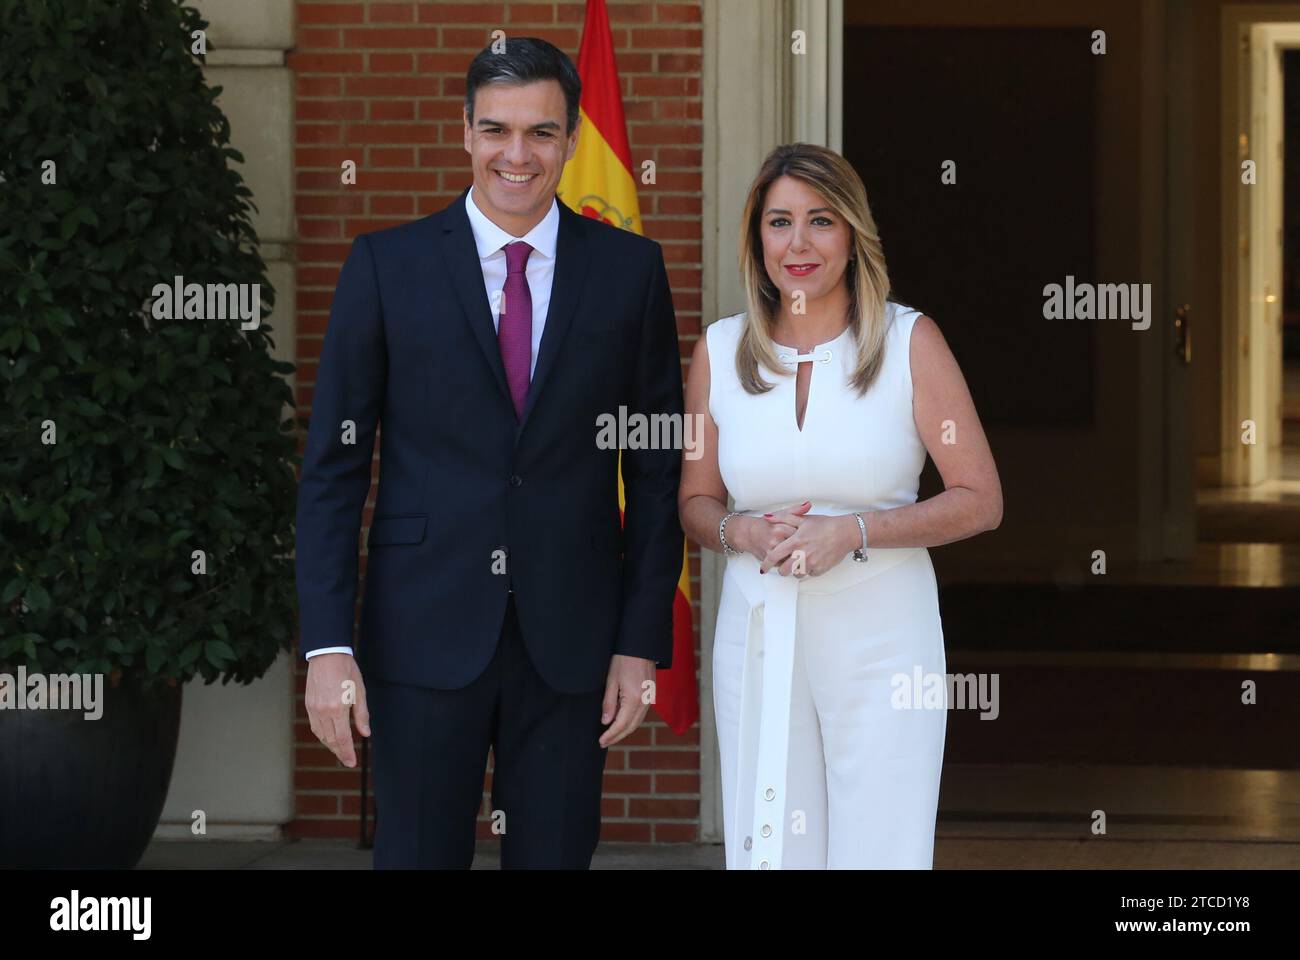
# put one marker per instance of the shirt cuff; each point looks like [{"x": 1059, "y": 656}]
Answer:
[{"x": 347, "y": 650}]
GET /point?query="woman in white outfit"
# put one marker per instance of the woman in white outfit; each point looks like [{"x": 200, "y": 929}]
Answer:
[{"x": 818, "y": 407}]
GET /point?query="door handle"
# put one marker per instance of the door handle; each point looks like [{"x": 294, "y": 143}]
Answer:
[{"x": 1183, "y": 333}]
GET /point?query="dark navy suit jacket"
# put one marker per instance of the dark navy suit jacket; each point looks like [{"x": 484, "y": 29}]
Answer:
[{"x": 411, "y": 349}]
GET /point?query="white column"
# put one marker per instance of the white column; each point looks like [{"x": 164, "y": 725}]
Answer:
[
  {"x": 235, "y": 757},
  {"x": 757, "y": 94}
]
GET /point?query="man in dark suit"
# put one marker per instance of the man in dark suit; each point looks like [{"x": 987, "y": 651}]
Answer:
[{"x": 504, "y": 606}]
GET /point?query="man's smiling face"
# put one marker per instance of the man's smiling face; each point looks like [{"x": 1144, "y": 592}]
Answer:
[{"x": 518, "y": 147}]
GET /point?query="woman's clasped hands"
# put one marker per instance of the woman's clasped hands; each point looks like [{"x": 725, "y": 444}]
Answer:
[{"x": 796, "y": 544}]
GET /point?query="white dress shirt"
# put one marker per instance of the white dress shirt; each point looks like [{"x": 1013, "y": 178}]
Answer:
[{"x": 540, "y": 271}]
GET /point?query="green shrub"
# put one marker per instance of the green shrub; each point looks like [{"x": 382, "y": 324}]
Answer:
[{"x": 171, "y": 435}]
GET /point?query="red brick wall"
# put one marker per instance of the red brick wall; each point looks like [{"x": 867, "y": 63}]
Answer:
[{"x": 383, "y": 84}]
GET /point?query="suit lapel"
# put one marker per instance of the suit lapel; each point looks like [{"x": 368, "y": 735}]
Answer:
[
  {"x": 460, "y": 256},
  {"x": 571, "y": 257}
]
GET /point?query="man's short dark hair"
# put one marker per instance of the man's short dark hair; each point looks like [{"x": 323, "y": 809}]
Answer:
[{"x": 525, "y": 60}]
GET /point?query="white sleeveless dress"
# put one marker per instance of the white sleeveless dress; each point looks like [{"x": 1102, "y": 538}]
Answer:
[{"x": 829, "y": 759}]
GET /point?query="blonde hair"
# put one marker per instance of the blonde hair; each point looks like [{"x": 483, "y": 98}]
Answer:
[{"x": 868, "y": 280}]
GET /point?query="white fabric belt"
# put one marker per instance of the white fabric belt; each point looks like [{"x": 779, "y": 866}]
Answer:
[{"x": 764, "y": 742}]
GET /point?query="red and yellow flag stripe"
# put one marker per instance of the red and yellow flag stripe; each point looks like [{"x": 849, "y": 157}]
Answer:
[{"x": 599, "y": 183}]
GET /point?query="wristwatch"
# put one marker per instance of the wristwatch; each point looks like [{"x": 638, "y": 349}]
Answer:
[{"x": 860, "y": 553}]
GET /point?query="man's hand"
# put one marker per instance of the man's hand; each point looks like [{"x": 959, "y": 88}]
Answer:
[
  {"x": 334, "y": 689},
  {"x": 625, "y": 693}
]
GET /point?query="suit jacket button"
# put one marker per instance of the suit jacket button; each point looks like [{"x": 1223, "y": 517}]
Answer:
[{"x": 516, "y": 480}]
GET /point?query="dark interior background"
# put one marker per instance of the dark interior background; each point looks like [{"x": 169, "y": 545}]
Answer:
[{"x": 1014, "y": 108}]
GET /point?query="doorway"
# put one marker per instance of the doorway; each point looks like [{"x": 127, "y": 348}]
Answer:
[
  {"x": 1093, "y": 426},
  {"x": 1255, "y": 495}
]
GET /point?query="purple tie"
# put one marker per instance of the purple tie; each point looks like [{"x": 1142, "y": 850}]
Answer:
[{"x": 515, "y": 324}]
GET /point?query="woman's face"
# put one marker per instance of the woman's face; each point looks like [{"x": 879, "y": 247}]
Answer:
[{"x": 805, "y": 242}]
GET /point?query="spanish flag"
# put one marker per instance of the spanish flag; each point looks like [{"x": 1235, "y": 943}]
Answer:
[{"x": 598, "y": 183}]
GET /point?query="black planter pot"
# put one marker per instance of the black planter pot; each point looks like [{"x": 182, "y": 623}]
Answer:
[{"x": 79, "y": 793}]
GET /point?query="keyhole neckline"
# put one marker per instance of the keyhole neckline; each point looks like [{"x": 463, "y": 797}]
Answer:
[{"x": 820, "y": 353}]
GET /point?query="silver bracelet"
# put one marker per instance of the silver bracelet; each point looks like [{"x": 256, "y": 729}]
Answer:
[
  {"x": 860, "y": 554},
  {"x": 727, "y": 548}
]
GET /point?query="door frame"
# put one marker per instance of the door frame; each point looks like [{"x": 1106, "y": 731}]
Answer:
[
  {"x": 1166, "y": 465},
  {"x": 757, "y": 94},
  {"x": 1182, "y": 280},
  {"x": 1252, "y": 39}
]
